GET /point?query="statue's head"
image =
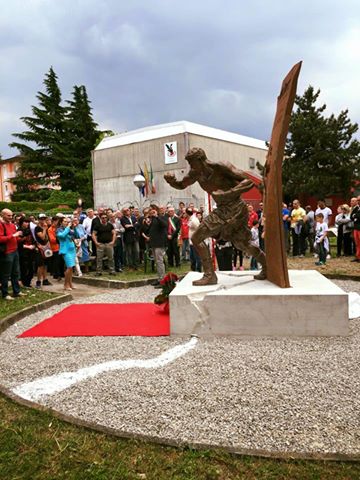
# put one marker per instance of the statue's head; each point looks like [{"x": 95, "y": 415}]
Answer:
[{"x": 195, "y": 156}]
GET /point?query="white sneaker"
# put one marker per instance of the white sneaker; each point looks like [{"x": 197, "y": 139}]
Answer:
[{"x": 8, "y": 298}]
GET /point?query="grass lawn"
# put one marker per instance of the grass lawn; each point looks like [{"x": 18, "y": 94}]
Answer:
[
  {"x": 35, "y": 445},
  {"x": 33, "y": 296}
]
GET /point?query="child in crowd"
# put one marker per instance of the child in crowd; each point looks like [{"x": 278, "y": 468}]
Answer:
[
  {"x": 255, "y": 241},
  {"x": 321, "y": 244}
]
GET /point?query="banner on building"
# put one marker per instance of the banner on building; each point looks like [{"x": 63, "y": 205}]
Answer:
[{"x": 170, "y": 152}]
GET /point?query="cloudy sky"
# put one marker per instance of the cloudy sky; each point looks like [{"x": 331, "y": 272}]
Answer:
[{"x": 145, "y": 62}]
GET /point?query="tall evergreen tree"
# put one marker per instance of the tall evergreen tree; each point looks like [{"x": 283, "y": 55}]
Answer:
[
  {"x": 321, "y": 156},
  {"x": 42, "y": 149},
  {"x": 82, "y": 133}
]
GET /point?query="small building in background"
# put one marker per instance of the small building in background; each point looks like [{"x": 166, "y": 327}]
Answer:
[
  {"x": 155, "y": 150},
  {"x": 8, "y": 171}
]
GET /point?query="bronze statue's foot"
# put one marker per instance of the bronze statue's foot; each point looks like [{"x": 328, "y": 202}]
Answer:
[
  {"x": 207, "y": 279},
  {"x": 260, "y": 276}
]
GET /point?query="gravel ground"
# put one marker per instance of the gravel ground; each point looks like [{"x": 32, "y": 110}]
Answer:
[{"x": 298, "y": 395}]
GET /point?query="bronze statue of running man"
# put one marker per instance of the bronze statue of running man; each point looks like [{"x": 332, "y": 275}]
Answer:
[{"x": 229, "y": 220}]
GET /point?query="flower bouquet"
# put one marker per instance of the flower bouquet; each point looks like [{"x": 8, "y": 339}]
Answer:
[{"x": 168, "y": 284}]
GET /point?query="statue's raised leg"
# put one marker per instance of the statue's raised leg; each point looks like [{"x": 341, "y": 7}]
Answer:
[{"x": 209, "y": 277}]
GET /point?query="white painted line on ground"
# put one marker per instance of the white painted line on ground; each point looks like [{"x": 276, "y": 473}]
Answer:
[{"x": 59, "y": 382}]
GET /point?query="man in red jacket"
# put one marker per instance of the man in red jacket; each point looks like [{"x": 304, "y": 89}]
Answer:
[{"x": 9, "y": 258}]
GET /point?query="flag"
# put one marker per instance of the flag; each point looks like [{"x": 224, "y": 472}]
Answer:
[
  {"x": 146, "y": 175},
  {"x": 142, "y": 189},
  {"x": 152, "y": 182}
]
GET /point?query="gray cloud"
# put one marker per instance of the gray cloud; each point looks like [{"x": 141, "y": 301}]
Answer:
[{"x": 217, "y": 63}]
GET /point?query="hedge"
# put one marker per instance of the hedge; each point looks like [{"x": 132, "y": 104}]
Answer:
[{"x": 34, "y": 207}]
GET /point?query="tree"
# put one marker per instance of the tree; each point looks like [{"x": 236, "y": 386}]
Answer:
[
  {"x": 45, "y": 136},
  {"x": 58, "y": 143},
  {"x": 321, "y": 156},
  {"x": 81, "y": 130}
]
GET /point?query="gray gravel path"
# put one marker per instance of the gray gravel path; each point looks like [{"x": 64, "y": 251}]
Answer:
[{"x": 280, "y": 395}]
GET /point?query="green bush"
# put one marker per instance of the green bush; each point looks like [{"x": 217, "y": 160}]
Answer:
[
  {"x": 37, "y": 195},
  {"x": 64, "y": 198},
  {"x": 35, "y": 207}
]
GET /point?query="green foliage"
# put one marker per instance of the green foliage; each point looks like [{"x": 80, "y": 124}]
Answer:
[
  {"x": 45, "y": 133},
  {"x": 61, "y": 197},
  {"x": 81, "y": 129},
  {"x": 57, "y": 145},
  {"x": 42, "y": 195},
  {"x": 35, "y": 207},
  {"x": 322, "y": 158},
  {"x": 104, "y": 134}
]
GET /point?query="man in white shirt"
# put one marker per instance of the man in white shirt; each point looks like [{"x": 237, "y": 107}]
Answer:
[
  {"x": 87, "y": 223},
  {"x": 326, "y": 211}
]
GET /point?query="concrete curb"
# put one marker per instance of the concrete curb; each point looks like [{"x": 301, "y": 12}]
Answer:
[
  {"x": 9, "y": 320},
  {"x": 180, "y": 444},
  {"x": 116, "y": 284},
  {"x": 120, "y": 284}
]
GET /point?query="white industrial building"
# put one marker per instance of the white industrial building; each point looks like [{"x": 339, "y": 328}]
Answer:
[{"x": 162, "y": 148}]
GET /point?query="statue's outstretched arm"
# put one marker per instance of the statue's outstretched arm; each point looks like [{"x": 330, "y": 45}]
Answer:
[{"x": 188, "y": 180}]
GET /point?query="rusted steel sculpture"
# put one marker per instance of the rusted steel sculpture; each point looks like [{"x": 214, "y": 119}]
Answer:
[
  {"x": 229, "y": 220},
  {"x": 276, "y": 260}
]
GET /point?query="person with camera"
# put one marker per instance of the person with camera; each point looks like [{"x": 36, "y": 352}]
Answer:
[
  {"x": 157, "y": 235},
  {"x": 67, "y": 249},
  {"x": 9, "y": 256}
]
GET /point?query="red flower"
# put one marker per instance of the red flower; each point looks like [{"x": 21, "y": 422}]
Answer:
[{"x": 168, "y": 284}]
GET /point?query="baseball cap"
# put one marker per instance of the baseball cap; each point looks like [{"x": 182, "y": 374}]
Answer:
[
  {"x": 42, "y": 216},
  {"x": 60, "y": 215}
]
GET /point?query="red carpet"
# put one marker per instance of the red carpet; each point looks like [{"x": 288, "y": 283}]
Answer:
[{"x": 107, "y": 319}]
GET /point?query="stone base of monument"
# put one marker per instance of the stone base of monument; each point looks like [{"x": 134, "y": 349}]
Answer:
[{"x": 239, "y": 305}]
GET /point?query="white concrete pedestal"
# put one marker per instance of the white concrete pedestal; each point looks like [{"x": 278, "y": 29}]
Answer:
[{"x": 240, "y": 305}]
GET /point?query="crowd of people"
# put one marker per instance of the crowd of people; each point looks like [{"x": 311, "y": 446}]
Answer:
[
  {"x": 309, "y": 230},
  {"x": 63, "y": 245}
]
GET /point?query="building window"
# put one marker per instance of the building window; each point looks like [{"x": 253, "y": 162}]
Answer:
[{"x": 252, "y": 163}]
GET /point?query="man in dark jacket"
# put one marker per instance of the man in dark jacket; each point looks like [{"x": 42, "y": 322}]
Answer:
[
  {"x": 173, "y": 230},
  {"x": 157, "y": 239},
  {"x": 130, "y": 238}
]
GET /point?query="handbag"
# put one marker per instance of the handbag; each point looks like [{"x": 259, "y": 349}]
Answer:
[{"x": 45, "y": 250}]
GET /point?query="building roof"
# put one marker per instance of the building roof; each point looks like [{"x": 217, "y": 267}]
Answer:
[
  {"x": 168, "y": 129},
  {"x": 16, "y": 158}
]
